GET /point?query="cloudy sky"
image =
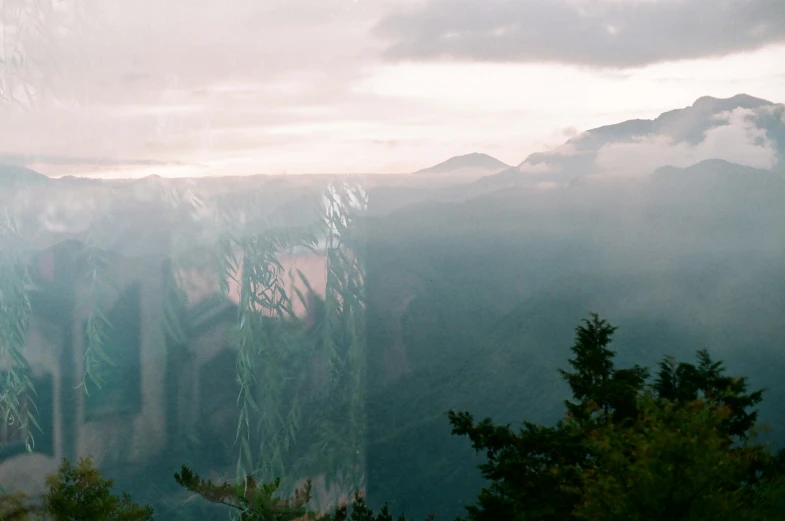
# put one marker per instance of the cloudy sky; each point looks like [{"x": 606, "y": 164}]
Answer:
[{"x": 211, "y": 87}]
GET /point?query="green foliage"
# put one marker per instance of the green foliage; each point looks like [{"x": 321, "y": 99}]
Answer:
[
  {"x": 262, "y": 299},
  {"x": 681, "y": 448},
  {"x": 15, "y": 314},
  {"x": 685, "y": 382},
  {"x": 100, "y": 285},
  {"x": 75, "y": 493},
  {"x": 253, "y": 501},
  {"x": 674, "y": 462},
  {"x": 80, "y": 493},
  {"x": 243, "y": 248},
  {"x": 16, "y": 507},
  {"x": 342, "y": 336},
  {"x": 603, "y": 392},
  {"x": 257, "y": 502},
  {"x": 678, "y": 449},
  {"x": 532, "y": 473}
]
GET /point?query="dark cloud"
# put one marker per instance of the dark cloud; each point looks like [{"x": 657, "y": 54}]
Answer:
[{"x": 599, "y": 33}]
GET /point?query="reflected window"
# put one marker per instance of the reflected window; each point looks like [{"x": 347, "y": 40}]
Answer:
[
  {"x": 11, "y": 431},
  {"x": 14, "y": 434},
  {"x": 120, "y": 392}
]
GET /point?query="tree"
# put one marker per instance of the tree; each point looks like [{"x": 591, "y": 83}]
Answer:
[
  {"x": 257, "y": 502},
  {"x": 603, "y": 393},
  {"x": 79, "y": 493},
  {"x": 679, "y": 449},
  {"x": 253, "y": 501},
  {"x": 534, "y": 474},
  {"x": 685, "y": 382},
  {"x": 75, "y": 493},
  {"x": 675, "y": 462}
]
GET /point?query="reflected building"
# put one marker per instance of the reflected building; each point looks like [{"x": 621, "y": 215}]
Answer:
[{"x": 158, "y": 393}]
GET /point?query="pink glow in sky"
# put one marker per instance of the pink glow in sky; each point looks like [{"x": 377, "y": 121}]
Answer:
[{"x": 191, "y": 88}]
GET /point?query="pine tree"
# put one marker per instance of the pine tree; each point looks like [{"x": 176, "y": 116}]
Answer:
[
  {"x": 601, "y": 391},
  {"x": 685, "y": 382},
  {"x": 680, "y": 448}
]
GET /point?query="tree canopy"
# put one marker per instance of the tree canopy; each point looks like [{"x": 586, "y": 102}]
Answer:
[{"x": 681, "y": 447}]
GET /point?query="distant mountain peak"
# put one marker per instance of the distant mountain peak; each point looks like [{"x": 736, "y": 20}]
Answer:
[
  {"x": 474, "y": 161},
  {"x": 713, "y": 166},
  {"x": 150, "y": 178},
  {"x": 711, "y": 103},
  {"x": 741, "y": 97},
  {"x": 15, "y": 174},
  {"x": 638, "y": 147},
  {"x": 78, "y": 180},
  {"x": 684, "y": 127}
]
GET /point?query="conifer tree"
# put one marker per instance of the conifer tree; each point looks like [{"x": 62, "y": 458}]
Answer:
[
  {"x": 601, "y": 391},
  {"x": 678, "y": 449}
]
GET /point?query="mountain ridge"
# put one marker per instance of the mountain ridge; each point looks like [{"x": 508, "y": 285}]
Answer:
[
  {"x": 705, "y": 105},
  {"x": 16, "y": 174},
  {"x": 683, "y": 127},
  {"x": 471, "y": 161},
  {"x": 681, "y": 137}
]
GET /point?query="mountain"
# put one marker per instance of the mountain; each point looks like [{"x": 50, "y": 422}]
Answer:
[
  {"x": 14, "y": 175},
  {"x": 491, "y": 287},
  {"x": 742, "y": 129},
  {"x": 718, "y": 178},
  {"x": 717, "y": 169},
  {"x": 70, "y": 180},
  {"x": 469, "y": 164}
]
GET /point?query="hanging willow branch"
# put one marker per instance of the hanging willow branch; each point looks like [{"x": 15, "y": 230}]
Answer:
[
  {"x": 98, "y": 278},
  {"x": 15, "y": 314},
  {"x": 274, "y": 350},
  {"x": 344, "y": 331},
  {"x": 263, "y": 303},
  {"x": 186, "y": 205}
]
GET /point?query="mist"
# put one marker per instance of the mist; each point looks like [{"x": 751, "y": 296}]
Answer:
[{"x": 287, "y": 246}]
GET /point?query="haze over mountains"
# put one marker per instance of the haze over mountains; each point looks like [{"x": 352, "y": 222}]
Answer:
[
  {"x": 259, "y": 243},
  {"x": 742, "y": 129},
  {"x": 714, "y": 139},
  {"x": 477, "y": 271}
]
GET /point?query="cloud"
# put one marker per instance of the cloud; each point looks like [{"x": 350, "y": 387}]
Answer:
[
  {"x": 275, "y": 85},
  {"x": 569, "y": 132},
  {"x": 539, "y": 168},
  {"x": 152, "y": 78},
  {"x": 598, "y": 33},
  {"x": 738, "y": 141},
  {"x": 565, "y": 150},
  {"x": 27, "y": 159},
  {"x": 386, "y": 142},
  {"x": 548, "y": 185}
]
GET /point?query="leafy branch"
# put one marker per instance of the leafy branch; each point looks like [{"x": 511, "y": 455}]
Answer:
[
  {"x": 101, "y": 286},
  {"x": 17, "y": 389}
]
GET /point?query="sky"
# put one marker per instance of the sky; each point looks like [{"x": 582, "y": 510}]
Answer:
[{"x": 177, "y": 88}]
